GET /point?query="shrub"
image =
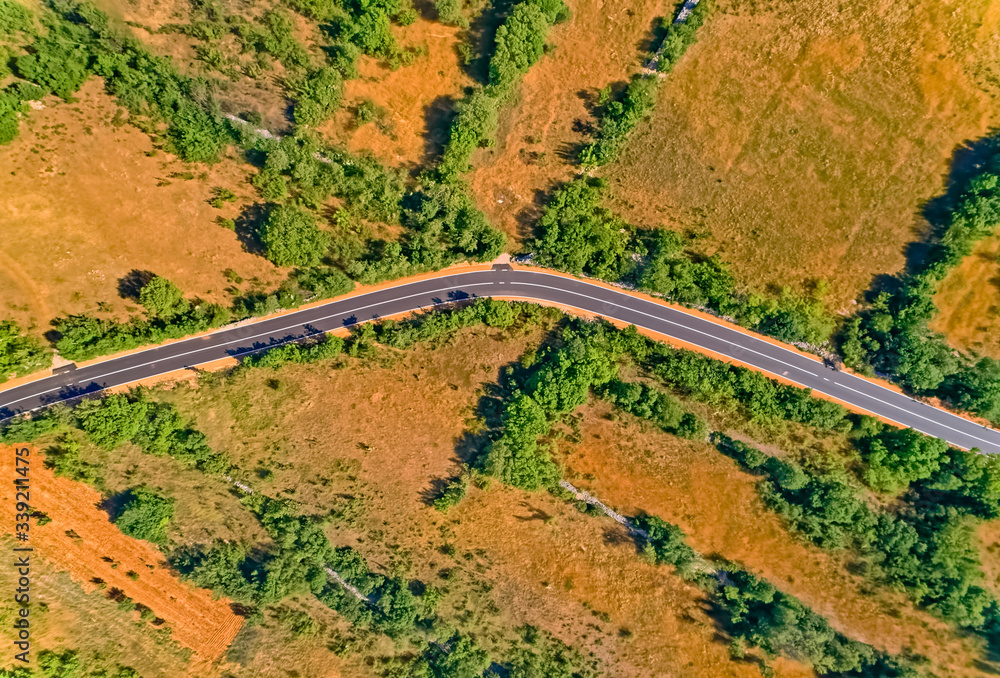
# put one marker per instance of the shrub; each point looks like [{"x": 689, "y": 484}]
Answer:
[
  {"x": 576, "y": 234},
  {"x": 520, "y": 42},
  {"x": 317, "y": 96},
  {"x": 666, "y": 544},
  {"x": 15, "y": 18},
  {"x": 617, "y": 120},
  {"x": 897, "y": 457},
  {"x": 450, "y": 12},
  {"x": 677, "y": 37},
  {"x": 474, "y": 125},
  {"x": 145, "y": 515},
  {"x": 162, "y": 299},
  {"x": 19, "y": 355},
  {"x": 463, "y": 658},
  {"x": 454, "y": 493},
  {"x": 291, "y": 237}
]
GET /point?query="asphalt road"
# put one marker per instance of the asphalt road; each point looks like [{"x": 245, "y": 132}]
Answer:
[{"x": 503, "y": 281}]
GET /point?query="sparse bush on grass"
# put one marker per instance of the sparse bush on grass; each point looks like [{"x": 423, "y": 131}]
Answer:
[
  {"x": 154, "y": 427},
  {"x": 925, "y": 546},
  {"x": 519, "y": 43},
  {"x": 326, "y": 348},
  {"x": 80, "y": 41},
  {"x": 654, "y": 405},
  {"x": 368, "y": 111},
  {"x": 618, "y": 118},
  {"x": 892, "y": 335},
  {"x": 475, "y": 125},
  {"x": 577, "y": 234},
  {"x": 676, "y": 38}
]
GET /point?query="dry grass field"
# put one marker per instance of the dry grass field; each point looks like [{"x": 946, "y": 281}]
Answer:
[
  {"x": 85, "y": 202},
  {"x": 74, "y": 619},
  {"x": 370, "y": 440},
  {"x": 417, "y": 99},
  {"x": 598, "y": 46},
  {"x": 968, "y": 302},
  {"x": 81, "y": 540},
  {"x": 634, "y": 468},
  {"x": 802, "y": 138}
]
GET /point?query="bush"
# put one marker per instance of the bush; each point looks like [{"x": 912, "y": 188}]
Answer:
[
  {"x": 317, "y": 96},
  {"x": 666, "y": 544},
  {"x": 656, "y": 406},
  {"x": 19, "y": 355},
  {"x": 892, "y": 335},
  {"x": 463, "y": 658},
  {"x": 519, "y": 43},
  {"x": 162, "y": 299},
  {"x": 58, "y": 62},
  {"x": 145, "y": 515},
  {"x": 327, "y": 348},
  {"x": 577, "y": 235},
  {"x": 291, "y": 237},
  {"x": 15, "y": 18},
  {"x": 82, "y": 337},
  {"x": 475, "y": 125},
  {"x": 677, "y": 37},
  {"x": 617, "y": 120},
  {"x": 454, "y": 493},
  {"x": 450, "y": 13},
  {"x": 897, "y": 457}
]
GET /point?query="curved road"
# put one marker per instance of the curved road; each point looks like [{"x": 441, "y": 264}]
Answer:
[{"x": 502, "y": 280}]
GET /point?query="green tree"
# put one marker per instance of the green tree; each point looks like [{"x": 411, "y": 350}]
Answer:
[
  {"x": 19, "y": 355},
  {"x": 145, "y": 515},
  {"x": 462, "y": 658},
  {"x": 900, "y": 456},
  {"x": 113, "y": 420},
  {"x": 291, "y": 237},
  {"x": 162, "y": 299},
  {"x": 317, "y": 96}
]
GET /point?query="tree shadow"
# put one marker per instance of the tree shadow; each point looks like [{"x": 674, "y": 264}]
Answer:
[
  {"x": 427, "y": 10},
  {"x": 131, "y": 284},
  {"x": 617, "y": 535},
  {"x": 528, "y": 216},
  {"x": 650, "y": 41},
  {"x": 434, "y": 491},
  {"x": 438, "y": 116},
  {"x": 534, "y": 513},
  {"x": 115, "y": 503},
  {"x": 968, "y": 160},
  {"x": 482, "y": 35},
  {"x": 248, "y": 226}
]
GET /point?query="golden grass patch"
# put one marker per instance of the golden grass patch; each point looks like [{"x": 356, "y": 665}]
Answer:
[
  {"x": 968, "y": 301},
  {"x": 86, "y": 202},
  {"x": 802, "y": 139}
]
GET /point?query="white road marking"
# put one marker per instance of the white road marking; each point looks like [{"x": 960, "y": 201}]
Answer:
[{"x": 664, "y": 307}]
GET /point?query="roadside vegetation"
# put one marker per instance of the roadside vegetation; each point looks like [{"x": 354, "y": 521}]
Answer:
[{"x": 297, "y": 560}]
